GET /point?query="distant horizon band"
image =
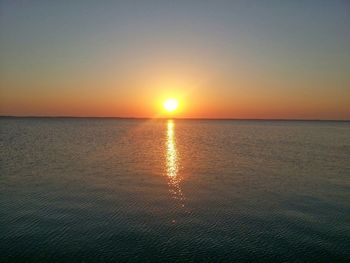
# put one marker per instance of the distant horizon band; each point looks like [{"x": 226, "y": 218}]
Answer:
[{"x": 175, "y": 118}]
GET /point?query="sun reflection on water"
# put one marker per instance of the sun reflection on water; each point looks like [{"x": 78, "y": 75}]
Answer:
[{"x": 172, "y": 163}]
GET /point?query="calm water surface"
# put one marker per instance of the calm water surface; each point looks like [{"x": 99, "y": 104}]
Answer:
[{"x": 87, "y": 190}]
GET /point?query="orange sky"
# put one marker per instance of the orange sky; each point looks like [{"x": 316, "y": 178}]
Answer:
[{"x": 222, "y": 60}]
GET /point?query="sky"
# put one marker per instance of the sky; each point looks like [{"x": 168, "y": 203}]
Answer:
[{"x": 220, "y": 59}]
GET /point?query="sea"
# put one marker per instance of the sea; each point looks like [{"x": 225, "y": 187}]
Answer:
[{"x": 172, "y": 190}]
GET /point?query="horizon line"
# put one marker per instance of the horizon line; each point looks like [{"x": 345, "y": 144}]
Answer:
[{"x": 176, "y": 118}]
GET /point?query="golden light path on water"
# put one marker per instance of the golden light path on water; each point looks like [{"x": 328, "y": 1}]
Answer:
[{"x": 172, "y": 163}]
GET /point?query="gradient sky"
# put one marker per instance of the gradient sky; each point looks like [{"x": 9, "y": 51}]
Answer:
[{"x": 222, "y": 59}]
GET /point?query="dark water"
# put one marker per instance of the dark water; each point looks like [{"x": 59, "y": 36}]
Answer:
[{"x": 87, "y": 190}]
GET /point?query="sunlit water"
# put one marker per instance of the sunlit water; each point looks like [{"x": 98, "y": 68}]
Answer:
[{"x": 86, "y": 190}]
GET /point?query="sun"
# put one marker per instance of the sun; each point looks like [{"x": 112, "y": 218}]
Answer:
[{"x": 170, "y": 105}]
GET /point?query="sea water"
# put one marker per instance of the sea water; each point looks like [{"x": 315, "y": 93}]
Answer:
[{"x": 87, "y": 190}]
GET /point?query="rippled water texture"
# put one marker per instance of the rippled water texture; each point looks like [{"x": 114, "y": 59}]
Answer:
[{"x": 75, "y": 190}]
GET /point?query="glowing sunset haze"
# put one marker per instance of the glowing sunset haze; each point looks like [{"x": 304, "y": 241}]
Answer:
[{"x": 221, "y": 59}]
